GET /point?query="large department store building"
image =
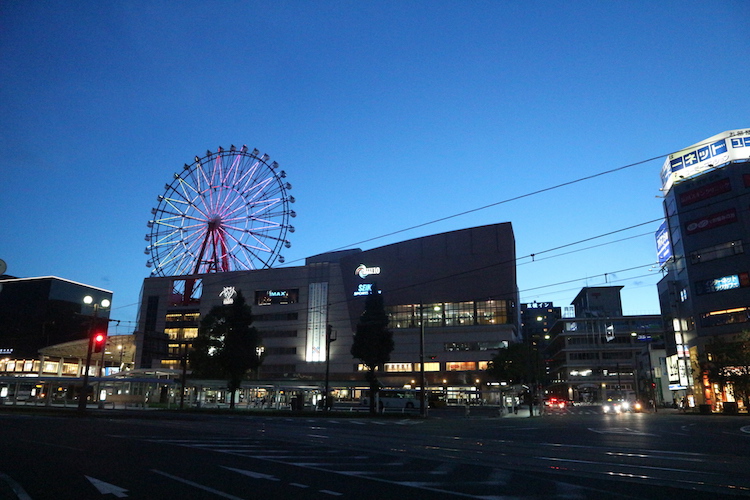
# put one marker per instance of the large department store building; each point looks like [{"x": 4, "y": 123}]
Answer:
[{"x": 457, "y": 289}]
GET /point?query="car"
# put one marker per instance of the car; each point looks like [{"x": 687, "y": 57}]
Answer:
[
  {"x": 555, "y": 403},
  {"x": 621, "y": 406}
]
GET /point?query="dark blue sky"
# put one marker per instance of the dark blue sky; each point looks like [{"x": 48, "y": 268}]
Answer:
[{"x": 385, "y": 115}]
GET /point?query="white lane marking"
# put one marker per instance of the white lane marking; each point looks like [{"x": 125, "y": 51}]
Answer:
[
  {"x": 197, "y": 485},
  {"x": 107, "y": 488},
  {"x": 254, "y": 475},
  {"x": 17, "y": 488}
]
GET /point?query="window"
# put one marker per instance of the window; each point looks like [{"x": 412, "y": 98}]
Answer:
[
  {"x": 716, "y": 252},
  {"x": 726, "y": 317},
  {"x": 280, "y": 350},
  {"x": 577, "y": 356},
  {"x": 428, "y": 367},
  {"x": 617, "y": 355},
  {"x": 275, "y": 334},
  {"x": 460, "y": 366},
  {"x": 398, "y": 367},
  {"x": 492, "y": 312},
  {"x": 459, "y": 313},
  {"x": 475, "y": 346},
  {"x": 276, "y": 297}
]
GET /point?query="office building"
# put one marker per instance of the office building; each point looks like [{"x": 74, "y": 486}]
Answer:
[{"x": 705, "y": 294}]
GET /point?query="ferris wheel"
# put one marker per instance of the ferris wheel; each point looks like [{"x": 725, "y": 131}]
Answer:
[{"x": 227, "y": 211}]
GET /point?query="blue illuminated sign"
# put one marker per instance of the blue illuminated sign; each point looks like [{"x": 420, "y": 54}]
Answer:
[{"x": 663, "y": 245}]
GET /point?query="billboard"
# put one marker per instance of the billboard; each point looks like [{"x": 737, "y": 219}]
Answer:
[
  {"x": 663, "y": 245},
  {"x": 705, "y": 155}
]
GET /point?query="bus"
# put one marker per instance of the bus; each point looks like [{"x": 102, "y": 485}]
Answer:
[{"x": 392, "y": 398}]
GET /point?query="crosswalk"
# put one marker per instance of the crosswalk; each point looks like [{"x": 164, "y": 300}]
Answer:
[{"x": 469, "y": 481}]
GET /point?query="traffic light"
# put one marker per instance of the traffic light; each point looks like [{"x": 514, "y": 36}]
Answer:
[{"x": 99, "y": 340}]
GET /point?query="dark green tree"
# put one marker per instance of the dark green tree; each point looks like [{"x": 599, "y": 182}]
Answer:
[
  {"x": 512, "y": 364},
  {"x": 518, "y": 364},
  {"x": 373, "y": 341},
  {"x": 227, "y": 346},
  {"x": 727, "y": 363}
]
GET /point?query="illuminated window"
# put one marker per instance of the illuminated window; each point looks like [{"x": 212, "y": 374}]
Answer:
[
  {"x": 172, "y": 333},
  {"x": 460, "y": 366},
  {"x": 459, "y": 313},
  {"x": 428, "y": 367},
  {"x": 492, "y": 312},
  {"x": 398, "y": 367}
]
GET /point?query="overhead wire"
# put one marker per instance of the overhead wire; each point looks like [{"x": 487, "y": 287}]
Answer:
[{"x": 508, "y": 200}]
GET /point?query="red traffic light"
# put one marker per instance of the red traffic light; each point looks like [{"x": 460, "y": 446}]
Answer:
[{"x": 99, "y": 340}]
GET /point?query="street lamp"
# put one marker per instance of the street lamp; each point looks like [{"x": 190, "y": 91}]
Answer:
[
  {"x": 105, "y": 303},
  {"x": 330, "y": 337}
]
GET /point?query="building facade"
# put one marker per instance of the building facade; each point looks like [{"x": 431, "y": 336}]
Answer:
[
  {"x": 705, "y": 293},
  {"x": 595, "y": 356},
  {"x": 39, "y": 312},
  {"x": 456, "y": 292}
]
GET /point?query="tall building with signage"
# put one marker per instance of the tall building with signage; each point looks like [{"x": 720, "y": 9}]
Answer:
[
  {"x": 457, "y": 290},
  {"x": 705, "y": 293}
]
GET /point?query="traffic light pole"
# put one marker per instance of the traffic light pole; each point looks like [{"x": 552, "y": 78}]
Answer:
[{"x": 85, "y": 389}]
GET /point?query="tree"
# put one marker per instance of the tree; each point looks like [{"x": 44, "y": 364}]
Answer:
[
  {"x": 511, "y": 364},
  {"x": 373, "y": 341},
  {"x": 227, "y": 346},
  {"x": 727, "y": 363},
  {"x": 518, "y": 364}
]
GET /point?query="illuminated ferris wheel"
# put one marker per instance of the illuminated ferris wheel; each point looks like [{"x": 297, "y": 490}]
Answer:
[{"x": 227, "y": 211}]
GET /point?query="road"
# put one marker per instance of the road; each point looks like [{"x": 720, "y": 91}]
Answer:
[{"x": 565, "y": 455}]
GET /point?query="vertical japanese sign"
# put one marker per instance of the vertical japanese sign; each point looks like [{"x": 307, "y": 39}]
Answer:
[{"x": 317, "y": 319}]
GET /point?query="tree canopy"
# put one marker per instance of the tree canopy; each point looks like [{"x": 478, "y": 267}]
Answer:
[
  {"x": 227, "y": 346},
  {"x": 512, "y": 364},
  {"x": 373, "y": 341},
  {"x": 727, "y": 363}
]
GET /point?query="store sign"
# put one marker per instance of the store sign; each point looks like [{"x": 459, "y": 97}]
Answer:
[
  {"x": 363, "y": 271},
  {"x": 724, "y": 283},
  {"x": 705, "y": 192},
  {"x": 663, "y": 245},
  {"x": 704, "y": 156},
  {"x": 363, "y": 289},
  {"x": 6, "y": 350},
  {"x": 711, "y": 221},
  {"x": 228, "y": 294},
  {"x": 276, "y": 297}
]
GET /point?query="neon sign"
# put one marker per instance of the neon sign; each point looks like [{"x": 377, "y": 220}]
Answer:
[
  {"x": 363, "y": 271},
  {"x": 228, "y": 294}
]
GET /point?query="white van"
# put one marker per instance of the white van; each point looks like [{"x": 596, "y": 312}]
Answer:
[{"x": 392, "y": 398}]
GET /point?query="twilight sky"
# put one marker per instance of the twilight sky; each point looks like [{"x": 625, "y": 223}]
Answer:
[{"x": 385, "y": 115}]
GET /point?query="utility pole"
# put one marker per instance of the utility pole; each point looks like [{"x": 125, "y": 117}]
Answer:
[
  {"x": 422, "y": 392},
  {"x": 330, "y": 337}
]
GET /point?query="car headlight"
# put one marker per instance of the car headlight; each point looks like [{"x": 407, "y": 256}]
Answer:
[{"x": 625, "y": 405}]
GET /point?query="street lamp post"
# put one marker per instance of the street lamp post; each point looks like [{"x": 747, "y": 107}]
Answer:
[
  {"x": 85, "y": 389},
  {"x": 330, "y": 337}
]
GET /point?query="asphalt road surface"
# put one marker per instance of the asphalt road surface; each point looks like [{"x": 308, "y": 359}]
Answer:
[{"x": 564, "y": 455}]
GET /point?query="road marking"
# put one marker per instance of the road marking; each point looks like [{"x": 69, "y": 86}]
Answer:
[
  {"x": 620, "y": 430},
  {"x": 299, "y": 485},
  {"x": 17, "y": 488},
  {"x": 329, "y": 492},
  {"x": 255, "y": 475},
  {"x": 196, "y": 485},
  {"x": 745, "y": 429},
  {"x": 107, "y": 488}
]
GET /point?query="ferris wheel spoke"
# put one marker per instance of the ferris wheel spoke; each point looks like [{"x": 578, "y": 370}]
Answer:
[
  {"x": 233, "y": 170},
  {"x": 247, "y": 179},
  {"x": 226, "y": 211}
]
